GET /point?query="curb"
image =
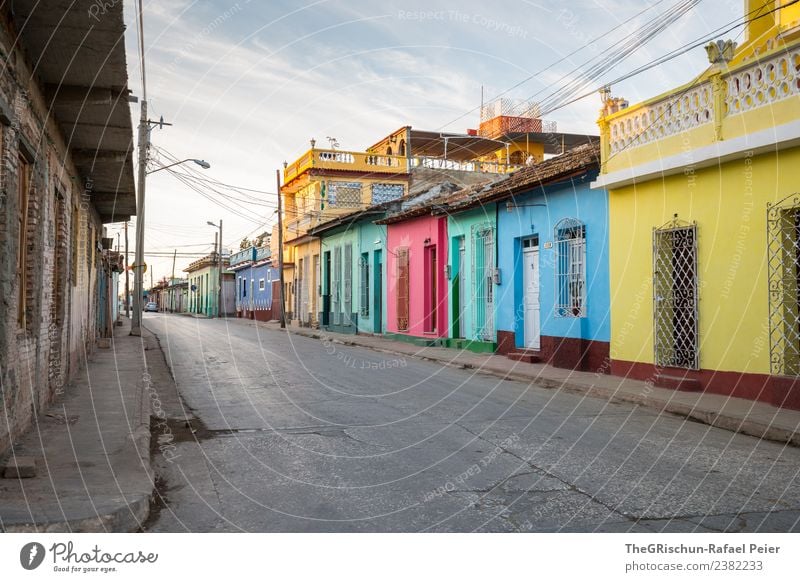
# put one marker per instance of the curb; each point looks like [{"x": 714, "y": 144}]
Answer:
[{"x": 753, "y": 428}]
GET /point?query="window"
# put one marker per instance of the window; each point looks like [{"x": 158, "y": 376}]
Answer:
[
  {"x": 402, "y": 289},
  {"x": 675, "y": 295},
  {"x": 386, "y": 192},
  {"x": 23, "y": 187},
  {"x": 344, "y": 194},
  {"x": 570, "y": 262},
  {"x": 348, "y": 282},
  {"x": 783, "y": 262},
  {"x": 261, "y": 284},
  {"x": 363, "y": 265}
]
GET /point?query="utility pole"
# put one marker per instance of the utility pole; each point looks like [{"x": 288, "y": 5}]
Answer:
[
  {"x": 127, "y": 276},
  {"x": 138, "y": 267},
  {"x": 216, "y": 249},
  {"x": 172, "y": 283},
  {"x": 219, "y": 297},
  {"x": 280, "y": 247}
]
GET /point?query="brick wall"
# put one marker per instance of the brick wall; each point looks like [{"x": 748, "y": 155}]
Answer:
[{"x": 45, "y": 342}]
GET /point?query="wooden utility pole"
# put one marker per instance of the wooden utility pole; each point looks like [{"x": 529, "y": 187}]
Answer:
[
  {"x": 172, "y": 283},
  {"x": 280, "y": 248},
  {"x": 219, "y": 297}
]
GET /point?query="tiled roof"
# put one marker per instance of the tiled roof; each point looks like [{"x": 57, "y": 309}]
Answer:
[{"x": 575, "y": 161}]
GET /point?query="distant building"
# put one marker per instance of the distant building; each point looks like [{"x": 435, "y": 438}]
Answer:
[
  {"x": 257, "y": 284},
  {"x": 203, "y": 287}
]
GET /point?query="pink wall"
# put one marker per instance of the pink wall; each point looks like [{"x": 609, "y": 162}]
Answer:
[{"x": 412, "y": 234}]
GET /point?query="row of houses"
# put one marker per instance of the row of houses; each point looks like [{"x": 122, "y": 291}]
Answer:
[
  {"x": 664, "y": 249},
  {"x": 66, "y": 172}
]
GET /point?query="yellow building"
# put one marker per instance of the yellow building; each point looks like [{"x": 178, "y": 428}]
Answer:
[
  {"x": 318, "y": 186},
  {"x": 705, "y": 220}
]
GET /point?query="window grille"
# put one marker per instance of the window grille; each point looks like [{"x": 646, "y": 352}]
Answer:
[
  {"x": 570, "y": 261},
  {"x": 675, "y": 295},
  {"x": 402, "y": 289},
  {"x": 483, "y": 280},
  {"x": 344, "y": 194},
  {"x": 783, "y": 272},
  {"x": 363, "y": 265},
  {"x": 335, "y": 283},
  {"x": 386, "y": 192},
  {"x": 348, "y": 283}
]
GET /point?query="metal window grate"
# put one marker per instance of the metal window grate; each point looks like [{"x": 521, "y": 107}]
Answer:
[
  {"x": 783, "y": 272},
  {"x": 386, "y": 192},
  {"x": 363, "y": 266},
  {"x": 336, "y": 277},
  {"x": 402, "y": 289},
  {"x": 570, "y": 260},
  {"x": 348, "y": 284},
  {"x": 675, "y": 295},
  {"x": 483, "y": 280},
  {"x": 344, "y": 194}
]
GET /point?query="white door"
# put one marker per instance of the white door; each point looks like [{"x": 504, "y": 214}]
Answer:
[{"x": 530, "y": 281}]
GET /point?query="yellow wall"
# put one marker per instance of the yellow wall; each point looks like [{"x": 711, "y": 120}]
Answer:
[{"x": 729, "y": 204}]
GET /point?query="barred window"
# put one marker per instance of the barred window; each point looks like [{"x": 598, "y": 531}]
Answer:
[
  {"x": 344, "y": 194},
  {"x": 348, "y": 282},
  {"x": 364, "y": 284},
  {"x": 386, "y": 192},
  {"x": 570, "y": 262},
  {"x": 402, "y": 289}
]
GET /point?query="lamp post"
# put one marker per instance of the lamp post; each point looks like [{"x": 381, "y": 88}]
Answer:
[
  {"x": 219, "y": 264},
  {"x": 280, "y": 243},
  {"x": 138, "y": 272}
]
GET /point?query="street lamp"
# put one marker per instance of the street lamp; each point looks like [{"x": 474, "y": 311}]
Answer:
[
  {"x": 202, "y": 163},
  {"x": 138, "y": 273},
  {"x": 219, "y": 264}
]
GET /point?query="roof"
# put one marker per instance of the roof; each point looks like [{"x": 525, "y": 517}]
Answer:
[
  {"x": 422, "y": 203},
  {"x": 79, "y": 57},
  {"x": 572, "y": 163}
]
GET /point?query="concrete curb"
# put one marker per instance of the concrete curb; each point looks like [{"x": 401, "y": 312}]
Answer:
[{"x": 750, "y": 427}]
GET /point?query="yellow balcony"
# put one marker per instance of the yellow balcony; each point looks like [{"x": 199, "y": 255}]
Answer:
[
  {"x": 341, "y": 160},
  {"x": 753, "y": 97}
]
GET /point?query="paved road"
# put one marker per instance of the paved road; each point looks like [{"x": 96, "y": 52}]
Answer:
[{"x": 294, "y": 434}]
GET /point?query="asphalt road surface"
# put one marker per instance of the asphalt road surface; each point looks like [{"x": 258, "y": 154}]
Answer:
[{"x": 276, "y": 432}]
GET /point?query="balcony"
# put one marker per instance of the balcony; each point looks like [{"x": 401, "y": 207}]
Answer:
[
  {"x": 342, "y": 160},
  {"x": 709, "y": 118},
  {"x": 464, "y": 166}
]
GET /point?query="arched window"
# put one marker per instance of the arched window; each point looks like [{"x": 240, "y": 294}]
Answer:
[
  {"x": 517, "y": 158},
  {"x": 389, "y": 150},
  {"x": 402, "y": 150}
]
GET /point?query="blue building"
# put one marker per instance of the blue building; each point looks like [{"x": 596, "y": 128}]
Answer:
[
  {"x": 551, "y": 291},
  {"x": 257, "y": 282}
]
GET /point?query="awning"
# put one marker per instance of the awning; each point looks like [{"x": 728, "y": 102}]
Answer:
[{"x": 79, "y": 55}]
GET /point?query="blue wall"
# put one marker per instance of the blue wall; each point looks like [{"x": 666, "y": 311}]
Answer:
[
  {"x": 565, "y": 200},
  {"x": 257, "y": 298}
]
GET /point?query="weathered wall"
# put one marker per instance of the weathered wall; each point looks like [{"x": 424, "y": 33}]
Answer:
[{"x": 46, "y": 332}]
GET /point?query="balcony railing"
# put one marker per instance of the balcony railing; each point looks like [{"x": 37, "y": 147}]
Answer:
[
  {"x": 463, "y": 166},
  {"x": 767, "y": 81},
  {"x": 342, "y": 160},
  {"x": 657, "y": 120}
]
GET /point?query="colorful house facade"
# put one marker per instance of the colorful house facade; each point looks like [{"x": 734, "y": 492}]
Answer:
[
  {"x": 704, "y": 221},
  {"x": 353, "y": 273},
  {"x": 552, "y": 291},
  {"x": 416, "y": 252},
  {"x": 319, "y": 186},
  {"x": 257, "y": 283},
  {"x": 204, "y": 287}
]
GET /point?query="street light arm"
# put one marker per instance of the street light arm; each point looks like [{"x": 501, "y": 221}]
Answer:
[{"x": 202, "y": 163}]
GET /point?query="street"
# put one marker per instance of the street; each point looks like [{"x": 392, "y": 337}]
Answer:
[{"x": 286, "y": 433}]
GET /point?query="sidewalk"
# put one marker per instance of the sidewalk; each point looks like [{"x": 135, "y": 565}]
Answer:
[
  {"x": 92, "y": 449},
  {"x": 736, "y": 414}
]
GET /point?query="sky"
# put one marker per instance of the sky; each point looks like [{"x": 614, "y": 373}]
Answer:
[{"x": 247, "y": 84}]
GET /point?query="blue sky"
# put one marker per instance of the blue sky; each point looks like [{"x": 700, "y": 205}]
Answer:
[{"x": 248, "y": 83}]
